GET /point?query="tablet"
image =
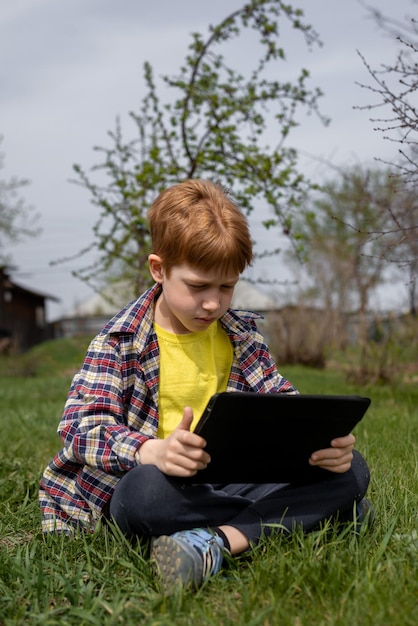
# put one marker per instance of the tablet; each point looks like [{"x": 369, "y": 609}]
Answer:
[{"x": 269, "y": 437}]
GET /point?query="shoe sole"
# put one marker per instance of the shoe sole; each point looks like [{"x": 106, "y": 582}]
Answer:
[{"x": 175, "y": 566}]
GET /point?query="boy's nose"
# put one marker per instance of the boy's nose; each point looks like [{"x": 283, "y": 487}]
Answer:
[{"x": 211, "y": 303}]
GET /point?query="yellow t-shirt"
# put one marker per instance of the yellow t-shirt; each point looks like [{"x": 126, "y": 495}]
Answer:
[{"x": 193, "y": 367}]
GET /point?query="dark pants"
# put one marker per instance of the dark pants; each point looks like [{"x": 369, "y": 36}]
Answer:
[{"x": 148, "y": 503}]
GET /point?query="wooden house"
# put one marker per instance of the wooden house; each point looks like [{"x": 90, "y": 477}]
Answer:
[{"x": 22, "y": 316}]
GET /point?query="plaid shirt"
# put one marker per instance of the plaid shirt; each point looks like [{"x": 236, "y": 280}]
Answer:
[{"x": 112, "y": 408}]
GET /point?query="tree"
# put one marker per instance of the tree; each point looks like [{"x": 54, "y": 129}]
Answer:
[
  {"x": 401, "y": 238},
  {"x": 17, "y": 220},
  {"x": 344, "y": 262},
  {"x": 218, "y": 124},
  {"x": 395, "y": 86}
]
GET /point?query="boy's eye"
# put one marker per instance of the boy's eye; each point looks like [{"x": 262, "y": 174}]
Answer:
[{"x": 201, "y": 287}]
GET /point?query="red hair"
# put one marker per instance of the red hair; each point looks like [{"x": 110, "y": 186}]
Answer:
[{"x": 196, "y": 222}]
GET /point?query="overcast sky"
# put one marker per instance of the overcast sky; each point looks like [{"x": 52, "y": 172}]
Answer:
[{"x": 70, "y": 67}]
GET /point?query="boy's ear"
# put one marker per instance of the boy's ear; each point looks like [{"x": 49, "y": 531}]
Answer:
[{"x": 155, "y": 263}]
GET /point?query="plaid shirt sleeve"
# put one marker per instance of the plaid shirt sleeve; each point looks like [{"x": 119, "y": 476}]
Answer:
[
  {"x": 98, "y": 425},
  {"x": 111, "y": 409}
]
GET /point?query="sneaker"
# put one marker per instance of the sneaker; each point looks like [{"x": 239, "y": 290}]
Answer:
[
  {"x": 187, "y": 558},
  {"x": 364, "y": 514}
]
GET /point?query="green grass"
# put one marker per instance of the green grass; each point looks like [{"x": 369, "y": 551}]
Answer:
[{"x": 329, "y": 578}]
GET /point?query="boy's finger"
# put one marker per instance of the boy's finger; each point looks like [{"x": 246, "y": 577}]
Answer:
[{"x": 186, "y": 420}]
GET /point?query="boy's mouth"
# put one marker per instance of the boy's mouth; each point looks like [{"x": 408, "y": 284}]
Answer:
[{"x": 206, "y": 320}]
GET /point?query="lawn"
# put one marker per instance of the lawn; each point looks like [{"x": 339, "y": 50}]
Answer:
[{"x": 329, "y": 578}]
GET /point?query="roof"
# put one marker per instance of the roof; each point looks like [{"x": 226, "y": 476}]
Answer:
[
  {"x": 248, "y": 296},
  {"x": 7, "y": 283}
]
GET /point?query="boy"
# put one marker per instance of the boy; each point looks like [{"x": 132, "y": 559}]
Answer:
[{"x": 127, "y": 427}]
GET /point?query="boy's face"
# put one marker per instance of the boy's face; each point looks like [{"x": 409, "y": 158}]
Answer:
[{"x": 191, "y": 298}]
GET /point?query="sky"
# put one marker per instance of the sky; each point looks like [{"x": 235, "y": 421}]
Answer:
[{"x": 68, "y": 69}]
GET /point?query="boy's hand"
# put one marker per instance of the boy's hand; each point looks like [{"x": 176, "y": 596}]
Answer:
[
  {"x": 337, "y": 458},
  {"x": 180, "y": 454}
]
